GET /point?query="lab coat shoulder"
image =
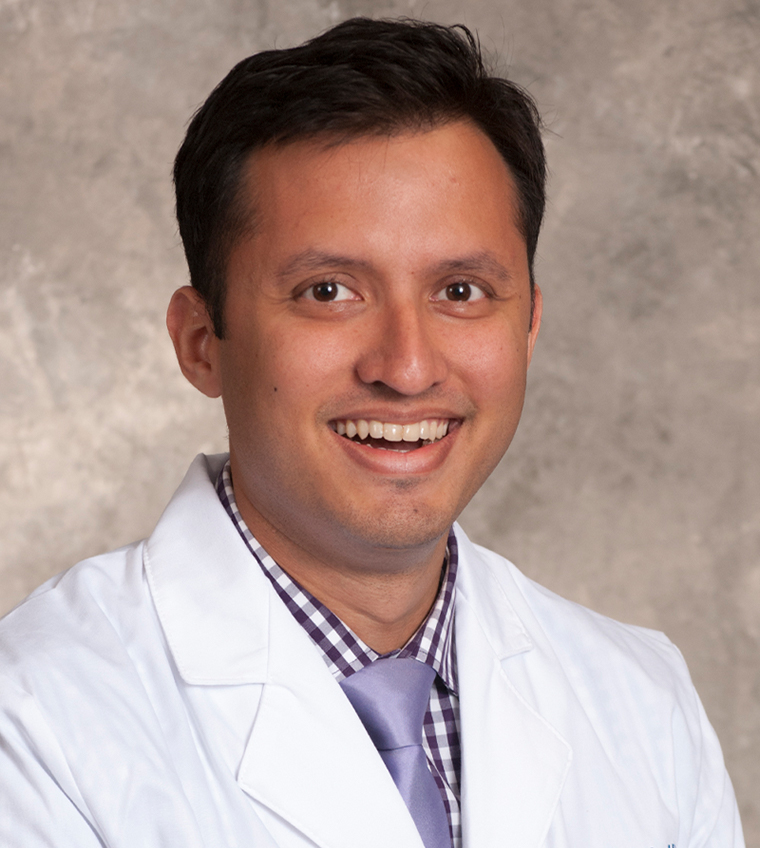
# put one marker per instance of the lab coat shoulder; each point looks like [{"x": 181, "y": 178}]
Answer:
[
  {"x": 80, "y": 690},
  {"x": 91, "y": 599},
  {"x": 622, "y": 697}
]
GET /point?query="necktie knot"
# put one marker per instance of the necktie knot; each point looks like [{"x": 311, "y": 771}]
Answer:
[{"x": 391, "y": 697}]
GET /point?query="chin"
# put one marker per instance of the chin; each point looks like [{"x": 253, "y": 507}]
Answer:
[{"x": 402, "y": 529}]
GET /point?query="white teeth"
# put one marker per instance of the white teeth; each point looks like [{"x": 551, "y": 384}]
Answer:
[
  {"x": 411, "y": 432},
  {"x": 428, "y": 430},
  {"x": 393, "y": 432}
]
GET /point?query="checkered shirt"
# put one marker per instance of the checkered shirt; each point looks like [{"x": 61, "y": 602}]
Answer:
[{"x": 344, "y": 653}]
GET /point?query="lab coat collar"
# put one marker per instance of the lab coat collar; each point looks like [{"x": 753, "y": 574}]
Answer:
[
  {"x": 477, "y": 584},
  {"x": 195, "y": 554}
]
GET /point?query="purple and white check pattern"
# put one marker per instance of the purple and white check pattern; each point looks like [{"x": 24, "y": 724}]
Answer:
[{"x": 344, "y": 652}]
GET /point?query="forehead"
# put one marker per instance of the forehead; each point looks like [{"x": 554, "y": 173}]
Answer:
[
  {"x": 447, "y": 155},
  {"x": 414, "y": 196}
]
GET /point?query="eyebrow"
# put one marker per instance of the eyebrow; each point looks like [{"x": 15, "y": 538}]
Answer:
[
  {"x": 313, "y": 260},
  {"x": 482, "y": 261}
]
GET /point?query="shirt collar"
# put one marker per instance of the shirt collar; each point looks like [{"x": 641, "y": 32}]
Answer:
[{"x": 342, "y": 650}]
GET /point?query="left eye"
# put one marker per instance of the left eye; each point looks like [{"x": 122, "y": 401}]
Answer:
[
  {"x": 460, "y": 293},
  {"x": 328, "y": 292}
]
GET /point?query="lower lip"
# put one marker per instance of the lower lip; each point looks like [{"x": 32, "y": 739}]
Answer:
[{"x": 422, "y": 460}]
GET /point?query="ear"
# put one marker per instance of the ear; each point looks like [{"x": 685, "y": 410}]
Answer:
[
  {"x": 195, "y": 342},
  {"x": 538, "y": 305}
]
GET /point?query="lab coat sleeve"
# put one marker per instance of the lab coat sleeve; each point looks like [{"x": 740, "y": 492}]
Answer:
[
  {"x": 717, "y": 823},
  {"x": 40, "y": 805},
  {"x": 705, "y": 796}
]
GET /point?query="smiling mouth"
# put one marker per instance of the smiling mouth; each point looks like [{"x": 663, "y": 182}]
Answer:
[{"x": 394, "y": 437}]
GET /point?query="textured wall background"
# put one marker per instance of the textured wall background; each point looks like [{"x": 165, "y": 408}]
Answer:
[{"x": 633, "y": 485}]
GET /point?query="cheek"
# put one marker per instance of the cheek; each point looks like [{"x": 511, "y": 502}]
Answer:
[
  {"x": 495, "y": 370},
  {"x": 310, "y": 353},
  {"x": 284, "y": 371},
  {"x": 310, "y": 364}
]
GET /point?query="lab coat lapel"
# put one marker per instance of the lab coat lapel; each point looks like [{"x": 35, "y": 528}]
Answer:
[
  {"x": 514, "y": 763},
  {"x": 210, "y": 596},
  {"x": 309, "y": 758}
]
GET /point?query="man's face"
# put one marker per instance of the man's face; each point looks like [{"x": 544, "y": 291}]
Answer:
[{"x": 386, "y": 285}]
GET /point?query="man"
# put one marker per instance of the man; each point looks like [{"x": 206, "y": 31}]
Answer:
[{"x": 305, "y": 652}]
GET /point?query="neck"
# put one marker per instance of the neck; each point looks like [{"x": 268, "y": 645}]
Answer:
[{"x": 383, "y": 596}]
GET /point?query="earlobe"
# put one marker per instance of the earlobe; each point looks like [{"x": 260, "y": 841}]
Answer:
[
  {"x": 195, "y": 343},
  {"x": 536, "y": 310}
]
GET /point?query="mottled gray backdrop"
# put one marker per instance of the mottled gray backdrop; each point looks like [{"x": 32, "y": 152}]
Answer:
[{"x": 633, "y": 485}]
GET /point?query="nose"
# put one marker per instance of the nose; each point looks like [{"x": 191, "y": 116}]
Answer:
[{"x": 402, "y": 351}]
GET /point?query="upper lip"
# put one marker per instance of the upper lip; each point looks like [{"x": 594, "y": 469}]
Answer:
[{"x": 396, "y": 417}]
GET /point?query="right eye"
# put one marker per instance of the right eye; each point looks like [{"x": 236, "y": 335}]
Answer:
[{"x": 328, "y": 291}]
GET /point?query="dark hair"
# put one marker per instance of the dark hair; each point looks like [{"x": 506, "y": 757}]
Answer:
[{"x": 362, "y": 77}]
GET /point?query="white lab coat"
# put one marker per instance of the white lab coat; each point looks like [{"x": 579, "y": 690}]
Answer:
[{"x": 162, "y": 695}]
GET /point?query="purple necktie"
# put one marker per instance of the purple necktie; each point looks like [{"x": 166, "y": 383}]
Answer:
[{"x": 391, "y": 696}]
